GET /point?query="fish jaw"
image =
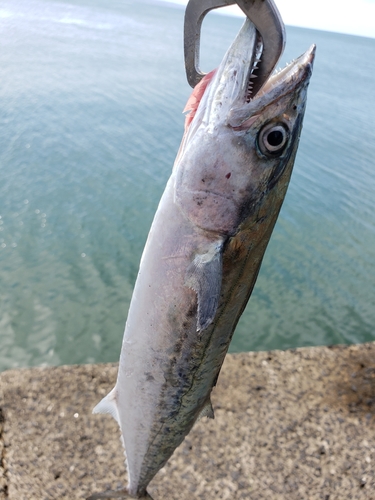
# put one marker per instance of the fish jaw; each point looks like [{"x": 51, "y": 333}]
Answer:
[
  {"x": 228, "y": 97},
  {"x": 230, "y": 82},
  {"x": 229, "y": 140},
  {"x": 292, "y": 81}
]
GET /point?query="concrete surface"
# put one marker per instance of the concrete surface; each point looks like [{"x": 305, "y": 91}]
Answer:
[{"x": 291, "y": 425}]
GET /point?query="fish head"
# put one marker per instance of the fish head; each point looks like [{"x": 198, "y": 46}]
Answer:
[{"x": 238, "y": 147}]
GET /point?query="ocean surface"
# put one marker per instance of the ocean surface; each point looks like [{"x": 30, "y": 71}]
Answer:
[{"x": 91, "y": 95}]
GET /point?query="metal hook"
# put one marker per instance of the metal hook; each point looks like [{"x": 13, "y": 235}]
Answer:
[{"x": 262, "y": 13}]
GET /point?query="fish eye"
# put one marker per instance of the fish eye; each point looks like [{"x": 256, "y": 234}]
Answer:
[{"x": 273, "y": 138}]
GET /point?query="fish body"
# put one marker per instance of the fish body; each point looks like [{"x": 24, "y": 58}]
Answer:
[{"x": 204, "y": 251}]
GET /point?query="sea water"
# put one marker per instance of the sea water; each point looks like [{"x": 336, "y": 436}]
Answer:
[{"x": 91, "y": 95}]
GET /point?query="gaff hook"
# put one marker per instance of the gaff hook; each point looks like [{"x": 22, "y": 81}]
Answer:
[{"x": 262, "y": 13}]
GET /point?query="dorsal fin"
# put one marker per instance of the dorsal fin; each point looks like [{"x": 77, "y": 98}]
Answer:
[
  {"x": 196, "y": 96},
  {"x": 108, "y": 405}
]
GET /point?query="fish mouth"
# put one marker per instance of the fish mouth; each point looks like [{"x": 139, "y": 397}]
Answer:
[
  {"x": 246, "y": 52},
  {"x": 292, "y": 74},
  {"x": 238, "y": 90},
  {"x": 293, "y": 78}
]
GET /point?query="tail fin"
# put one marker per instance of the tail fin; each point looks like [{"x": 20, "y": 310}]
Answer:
[
  {"x": 122, "y": 494},
  {"x": 108, "y": 405}
]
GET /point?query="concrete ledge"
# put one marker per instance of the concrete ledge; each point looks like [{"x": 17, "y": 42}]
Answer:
[{"x": 297, "y": 424}]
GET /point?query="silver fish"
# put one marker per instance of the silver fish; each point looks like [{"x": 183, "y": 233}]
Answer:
[{"x": 204, "y": 251}]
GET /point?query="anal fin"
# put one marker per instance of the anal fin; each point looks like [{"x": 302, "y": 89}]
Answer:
[{"x": 207, "y": 411}]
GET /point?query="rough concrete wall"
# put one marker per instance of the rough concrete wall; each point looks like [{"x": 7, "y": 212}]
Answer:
[
  {"x": 3, "y": 478},
  {"x": 297, "y": 424}
]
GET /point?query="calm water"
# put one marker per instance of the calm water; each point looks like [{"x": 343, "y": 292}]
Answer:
[{"x": 91, "y": 94}]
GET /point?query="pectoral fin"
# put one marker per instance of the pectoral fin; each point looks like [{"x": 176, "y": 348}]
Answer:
[{"x": 204, "y": 277}]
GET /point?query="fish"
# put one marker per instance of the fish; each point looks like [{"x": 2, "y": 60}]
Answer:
[{"x": 204, "y": 251}]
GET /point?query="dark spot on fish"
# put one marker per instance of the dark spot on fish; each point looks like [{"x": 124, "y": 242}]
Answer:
[
  {"x": 203, "y": 180},
  {"x": 149, "y": 377},
  {"x": 199, "y": 203},
  {"x": 261, "y": 219},
  {"x": 192, "y": 310},
  {"x": 236, "y": 249},
  {"x": 228, "y": 175}
]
